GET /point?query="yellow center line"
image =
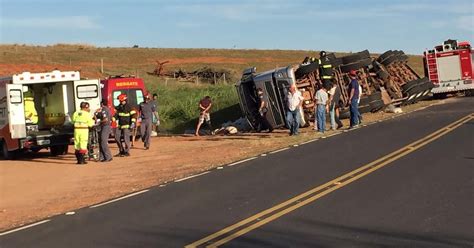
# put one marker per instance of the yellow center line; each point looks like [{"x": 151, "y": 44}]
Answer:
[{"x": 331, "y": 186}]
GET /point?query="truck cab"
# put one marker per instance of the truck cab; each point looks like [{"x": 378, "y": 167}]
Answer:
[
  {"x": 36, "y": 110},
  {"x": 275, "y": 84}
]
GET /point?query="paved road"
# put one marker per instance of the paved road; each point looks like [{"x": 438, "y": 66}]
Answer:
[{"x": 423, "y": 198}]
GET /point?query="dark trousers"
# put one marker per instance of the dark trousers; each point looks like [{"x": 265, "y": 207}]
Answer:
[
  {"x": 104, "y": 150},
  {"x": 145, "y": 130},
  {"x": 124, "y": 147},
  {"x": 262, "y": 123}
]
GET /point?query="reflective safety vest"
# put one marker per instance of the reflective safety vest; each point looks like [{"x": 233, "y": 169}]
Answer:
[
  {"x": 325, "y": 68},
  {"x": 30, "y": 110},
  {"x": 125, "y": 116},
  {"x": 82, "y": 120}
]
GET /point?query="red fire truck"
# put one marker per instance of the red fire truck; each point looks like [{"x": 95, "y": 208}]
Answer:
[{"x": 450, "y": 67}]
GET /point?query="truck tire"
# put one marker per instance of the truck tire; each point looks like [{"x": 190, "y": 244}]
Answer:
[
  {"x": 336, "y": 62},
  {"x": 385, "y": 55},
  {"x": 382, "y": 74},
  {"x": 364, "y": 100},
  {"x": 58, "y": 150},
  {"x": 387, "y": 61},
  {"x": 352, "y": 58},
  {"x": 376, "y": 96},
  {"x": 408, "y": 86},
  {"x": 376, "y": 105},
  {"x": 306, "y": 69},
  {"x": 6, "y": 155},
  {"x": 365, "y": 109},
  {"x": 344, "y": 114},
  {"x": 348, "y": 67}
]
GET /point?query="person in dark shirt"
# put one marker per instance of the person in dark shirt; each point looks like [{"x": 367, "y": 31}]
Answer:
[
  {"x": 103, "y": 116},
  {"x": 126, "y": 118},
  {"x": 354, "y": 99},
  {"x": 148, "y": 112},
  {"x": 262, "y": 122},
  {"x": 204, "y": 114}
]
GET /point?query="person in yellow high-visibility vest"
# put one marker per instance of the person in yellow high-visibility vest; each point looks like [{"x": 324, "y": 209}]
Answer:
[
  {"x": 82, "y": 120},
  {"x": 31, "y": 115}
]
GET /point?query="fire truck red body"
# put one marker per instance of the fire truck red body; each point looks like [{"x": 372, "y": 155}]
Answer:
[{"x": 450, "y": 67}]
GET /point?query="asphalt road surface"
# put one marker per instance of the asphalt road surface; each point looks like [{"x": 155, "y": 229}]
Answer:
[{"x": 404, "y": 182}]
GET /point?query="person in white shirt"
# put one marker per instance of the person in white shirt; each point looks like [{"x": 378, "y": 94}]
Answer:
[
  {"x": 294, "y": 102},
  {"x": 321, "y": 108}
]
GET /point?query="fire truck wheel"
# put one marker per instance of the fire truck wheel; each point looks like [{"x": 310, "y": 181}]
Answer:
[
  {"x": 58, "y": 150},
  {"x": 6, "y": 155}
]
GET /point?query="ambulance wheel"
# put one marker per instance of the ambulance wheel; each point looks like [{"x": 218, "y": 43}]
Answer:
[
  {"x": 6, "y": 154},
  {"x": 58, "y": 150}
]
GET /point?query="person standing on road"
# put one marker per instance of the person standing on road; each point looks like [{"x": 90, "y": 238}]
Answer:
[
  {"x": 126, "y": 118},
  {"x": 82, "y": 120},
  {"x": 295, "y": 102},
  {"x": 321, "y": 108},
  {"x": 156, "y": 117},
  {"x": 262, "y": 122},
  {"x": 148, "y": 112},
  {"x": 334, "y": 97},
  {"x": 354, "y": 93},
  {"x": 103, "y": 116},
  {"x": 204, "y": 114}
]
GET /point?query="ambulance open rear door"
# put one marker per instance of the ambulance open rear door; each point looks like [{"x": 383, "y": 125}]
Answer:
[{"x": 16, "y": 111}]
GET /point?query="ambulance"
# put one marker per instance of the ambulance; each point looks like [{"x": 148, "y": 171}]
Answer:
[
  {"x": 450, "y": 66},
  {"x": 36, "y": 110}
]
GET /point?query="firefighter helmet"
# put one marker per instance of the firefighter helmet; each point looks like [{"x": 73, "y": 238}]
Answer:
[
  {"x": 122, "y": 97},
  {"x": 322, "y": 54}
]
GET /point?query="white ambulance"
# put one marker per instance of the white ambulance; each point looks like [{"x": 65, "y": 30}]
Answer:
[{"x": 36, "y": 110}]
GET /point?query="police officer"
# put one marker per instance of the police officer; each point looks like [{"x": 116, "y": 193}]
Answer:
[
  {"x": 262, "y": 113},
  {"x": 82, "y": 121},
  {"x": 104, "y": 118},
  {"x": 325, "y": 70},
  {"x": 126, "y": 118},
  {"x": 148, "y": 111}
]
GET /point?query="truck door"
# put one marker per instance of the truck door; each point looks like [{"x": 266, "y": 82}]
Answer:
[
  {"x": 16, "y": 111},
  {"x": 87, "y": 91}
]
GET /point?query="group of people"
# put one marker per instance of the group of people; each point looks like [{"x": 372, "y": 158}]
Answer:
[
  {"x": 327, "y": 100},
  {"x": 125, "y": 118}
]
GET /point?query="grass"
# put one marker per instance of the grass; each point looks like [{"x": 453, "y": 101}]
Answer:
[{"x": 177, "y": 100}]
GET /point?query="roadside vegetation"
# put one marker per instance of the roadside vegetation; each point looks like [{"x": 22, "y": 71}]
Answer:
[{"x": 177, "y": 99}]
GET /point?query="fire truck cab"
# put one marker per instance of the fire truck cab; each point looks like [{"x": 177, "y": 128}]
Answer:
[
  {"x": 36, "y": 110},
  {"x": 450, "y": 67},
  {"x": 132, "y": 86}
]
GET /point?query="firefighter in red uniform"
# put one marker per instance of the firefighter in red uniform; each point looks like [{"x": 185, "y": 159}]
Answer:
[{"x": 126, "y": 118}]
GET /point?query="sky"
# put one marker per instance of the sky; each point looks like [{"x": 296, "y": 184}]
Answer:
[{"x": 331, "y": 25}]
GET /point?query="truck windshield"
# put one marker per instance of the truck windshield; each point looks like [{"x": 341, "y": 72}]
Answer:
[{"x": 135, "y": 96}]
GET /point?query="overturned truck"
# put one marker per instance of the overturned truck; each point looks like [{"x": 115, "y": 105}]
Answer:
[{"x": 386, "y": 79}]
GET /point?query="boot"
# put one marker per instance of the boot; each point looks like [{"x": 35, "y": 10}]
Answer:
[
  {"x": 78, "y": 157},
  {"x": 83, "y": 159}
]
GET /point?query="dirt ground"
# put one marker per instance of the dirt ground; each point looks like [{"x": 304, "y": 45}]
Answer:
[{"x": 38, "y": 186}]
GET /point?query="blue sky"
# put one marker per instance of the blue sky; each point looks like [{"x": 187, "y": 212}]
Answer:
[{"x": 263, "y": 24}]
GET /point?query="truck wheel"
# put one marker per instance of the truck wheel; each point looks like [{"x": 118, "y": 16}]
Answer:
[
  {"x": 385, "y": 55},
  {"x": 6, "y": 155},
  {"x": 306, "y": 69},
  {"x": 389, "y": 60},
  {"x": 352, "y": 58},
  {"x": 58, "y": 150},
  {"x": 375, "y": 96},
  {"x": 376, "y": 105}
]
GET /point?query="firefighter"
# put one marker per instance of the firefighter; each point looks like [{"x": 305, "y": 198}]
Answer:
[
  {"x": 82, "y": 121},
  {"x": 31, "y": 115},
  {"x": 126, "y": 118},
  {"x": 325, "y": 70},
  {"x": 148, "y": 113}
]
